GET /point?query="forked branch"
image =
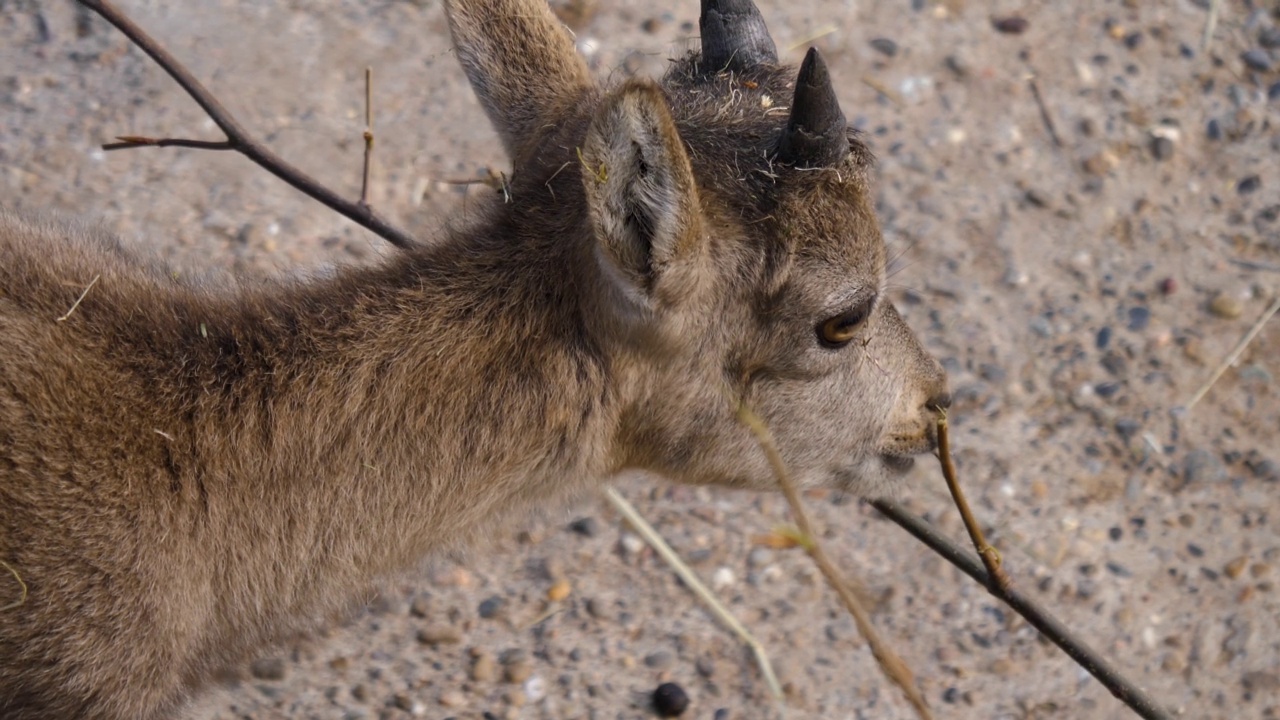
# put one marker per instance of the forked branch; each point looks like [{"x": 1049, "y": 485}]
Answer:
[
  {"x": 1040, "y": 618},
  {"x": 238, "y": 139}
]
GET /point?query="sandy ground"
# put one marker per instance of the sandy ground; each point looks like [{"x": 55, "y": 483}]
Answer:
[{"x": 1080, "y": 290}]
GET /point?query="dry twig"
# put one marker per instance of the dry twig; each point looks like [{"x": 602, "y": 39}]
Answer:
[
  {"x": 990, "y": 556},
  {"x": 892, "y": 665},
  {"x": 238, "y": 139},
  {"x": 691, "y": 579},
  {"x": 368, "y": 136},
  {"x": 1049, "y": 626},
  {"x": 1235, "y": 353},
  {"x": 1045, "y": 117}
]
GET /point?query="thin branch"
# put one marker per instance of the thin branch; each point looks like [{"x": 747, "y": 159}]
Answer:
[
  {"x": 238, "y": 138},
  {"x": 1235, "y": 353},
  {"x": 368, "y": 136},
  {"x": 892, "y": 665},
  {"x": 691, "y": 580},
  {"x": 127, "y": 142},
  {"x": 1049, "y": 626},
  {"x": 990, "y": 556},
  {"x": 1045, "y": 117}
]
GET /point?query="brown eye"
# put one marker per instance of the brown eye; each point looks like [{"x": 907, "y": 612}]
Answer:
[{"x": 838, "y": 330}]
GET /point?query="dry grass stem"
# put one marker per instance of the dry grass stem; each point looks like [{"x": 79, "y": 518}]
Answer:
[
  {"x": 1235, "y": 353},
  {"x": 690, "y": 579},
  {"x": 22, "y": 598},
  {"x": 990, "y": 556},
  {"x": 892, "y": 665},
  {"x": 884, "y": 90},
  {"x": 1045, "y": 117},
  {"x": 1210, "y": 24},
  {"x": 368, "y": 136},
  {"x": 80, "y": 299}
]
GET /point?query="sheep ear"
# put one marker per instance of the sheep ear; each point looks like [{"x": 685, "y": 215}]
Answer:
[
  {"x": 639, "y": 185},
  {"x": 522, "y": 65}
]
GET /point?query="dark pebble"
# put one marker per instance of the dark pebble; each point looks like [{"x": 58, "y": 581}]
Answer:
[
  {"x": 1117, "y": 569},
  {"x": 1127, "y": 427},
  {"x": 1195, "y": 550},
  {"x": 1249, "y": 185},
  {"x": 1115, "y": 533},
  {"x": 1213, "y": 130},
  {"x": 885, "y": 46},
  {"x": 1265, "y": 470},
  {"x": 267, "y": 669},
  {"x": 951, "y": 695},
  {"x": 491, "y": 607},
  {"x": 1273, "y": 92},
  {"x": 1133, "y": 40},
  {"x": 1106, "y": 389},
  {"x": 1186, "y": 51},
  {"x": 1012, "y": 25},
  {"x": 1258, "y": 59},
  {"x": 670, "y": 700},
  {"x": 587, "y": 526},
  {"x": 721, "y": 714},
  {"x": 1269, "y": 37},
  {"x": 1103, "y": 338},
  {"x": 1139, "y": 317},
  {"x": 992, "y": 373},
  {"x": 1161, "y": 147},
  {"x": 1037, "y": 198},
  {"x": 1168, "y": 286}
]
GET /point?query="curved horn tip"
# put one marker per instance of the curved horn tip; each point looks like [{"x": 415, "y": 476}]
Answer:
[
  {"x": 815, "y": 135},
  {"x": 734, "y": 36}
]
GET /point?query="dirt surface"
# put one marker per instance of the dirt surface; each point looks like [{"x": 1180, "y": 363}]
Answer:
[{"x": 1081, "y": 289}]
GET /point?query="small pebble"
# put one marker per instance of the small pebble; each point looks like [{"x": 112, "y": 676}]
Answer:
[
  {"x": 1161, "y": 147},
  {"x": 1037, "y": 197},
  {"x": 1213, "y": 130},
  {"x": 1139, "y": 318},
  {"x": 885, "y": 46},
  {"x": 1011, "y": 25},
  {"x": 517, "y": 671},
  {"x": 1269, "y": 37},
  {"x": 1168, "y": 286},
  {"x": 587, "y": 526},
  {"x": 268, "y": 668},
  {"x": 439, "y": 634},
  {"x": 491, "y": 607},
  {"x": 1258, "y": 59},
  {"x": 559, "y": 590},
  {"x": 484, "y": 668},
  {"x": 1249, "y": 185},
  {"x": 420, "y": 607},
  {"x": 1235, "y": 568},
  {"x": 1103, "y": 338},
  {"x": 1226, "y": 305},
  {"x": 670, "y": 700}
]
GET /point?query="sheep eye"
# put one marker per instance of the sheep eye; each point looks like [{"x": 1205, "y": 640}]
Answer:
[{"x": 839, "y": 330}]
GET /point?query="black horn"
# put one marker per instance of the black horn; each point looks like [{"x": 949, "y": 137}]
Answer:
[
  {"x": 734, "y": 36},
  {"x": 816, "y": 134}
]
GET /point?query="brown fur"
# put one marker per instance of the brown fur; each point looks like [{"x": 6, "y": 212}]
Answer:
[{"x": 189, "y": 472}]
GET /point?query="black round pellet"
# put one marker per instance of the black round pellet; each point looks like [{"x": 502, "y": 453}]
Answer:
[{"x": 670, "y": 700}]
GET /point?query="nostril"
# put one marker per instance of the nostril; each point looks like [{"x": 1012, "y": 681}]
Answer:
[{"x": 939, "y": 402}]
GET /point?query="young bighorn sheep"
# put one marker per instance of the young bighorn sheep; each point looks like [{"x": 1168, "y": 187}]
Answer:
[{"x": 188, "y": 472}]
